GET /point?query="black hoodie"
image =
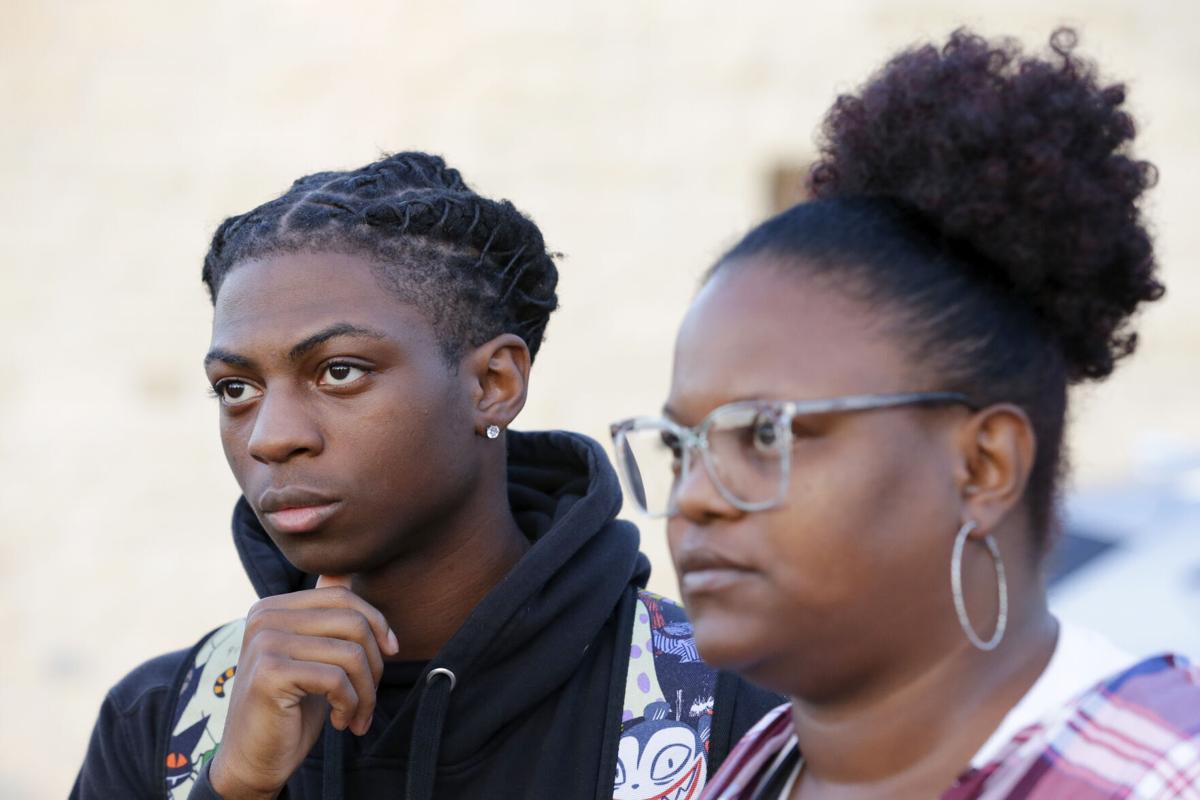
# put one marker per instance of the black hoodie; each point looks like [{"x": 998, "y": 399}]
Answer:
[{"x": 539, "y": 667}]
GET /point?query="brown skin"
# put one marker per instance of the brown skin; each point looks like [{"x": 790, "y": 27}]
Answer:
[
  {"x": 840, "y": 597},
  {"x": 330, "y": 384}
]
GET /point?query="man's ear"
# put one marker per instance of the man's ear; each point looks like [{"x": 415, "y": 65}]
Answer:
[
  {"x": 998, "y": 446},
  {"x": 499, "y": 374}
]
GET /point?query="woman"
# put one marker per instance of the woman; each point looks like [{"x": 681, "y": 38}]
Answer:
[
  {"x": 479, "y": 603},
  {"x": 863, "y": 445}
]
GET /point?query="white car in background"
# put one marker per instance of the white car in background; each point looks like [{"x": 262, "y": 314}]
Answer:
[{"x": 1128, "y": 565}]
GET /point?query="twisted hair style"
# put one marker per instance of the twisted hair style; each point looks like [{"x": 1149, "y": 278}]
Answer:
[
  {"x": 476, "y": 267},
  {"x": 984, "y": 202}
]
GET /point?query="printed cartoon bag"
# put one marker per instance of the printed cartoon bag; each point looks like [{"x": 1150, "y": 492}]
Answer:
[{"x": 665, "y": 728}]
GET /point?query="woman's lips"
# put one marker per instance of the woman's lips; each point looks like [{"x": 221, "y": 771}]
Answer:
[
  {"x": 710, "y": 579},
  {"x": 302, "y": 519},
  {"x": 703, "y": 570}
]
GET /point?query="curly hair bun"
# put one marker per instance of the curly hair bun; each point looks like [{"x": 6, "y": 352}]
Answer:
[{"x": 1021, "y": 162}]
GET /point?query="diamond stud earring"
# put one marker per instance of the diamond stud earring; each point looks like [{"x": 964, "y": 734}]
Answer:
[{"x": 493, "y": 431}]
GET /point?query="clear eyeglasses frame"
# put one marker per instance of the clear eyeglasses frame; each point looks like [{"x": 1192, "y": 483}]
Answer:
[{"x": 745, "y": 447}]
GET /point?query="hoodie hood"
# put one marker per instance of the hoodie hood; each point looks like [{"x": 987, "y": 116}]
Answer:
[{"x": 526, "y": 637}]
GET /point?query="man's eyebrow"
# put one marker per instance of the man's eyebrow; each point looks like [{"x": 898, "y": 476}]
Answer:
[
  {"x": 332, "y": 332},
  {"x": 232, "y": 359},
  {"x": 296, "y": 353}
]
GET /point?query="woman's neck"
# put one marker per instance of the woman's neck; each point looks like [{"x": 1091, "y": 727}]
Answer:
[{"x": 917, "y": 738}]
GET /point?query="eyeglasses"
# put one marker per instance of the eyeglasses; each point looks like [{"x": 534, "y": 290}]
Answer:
[{"x": 746, "y": 447}]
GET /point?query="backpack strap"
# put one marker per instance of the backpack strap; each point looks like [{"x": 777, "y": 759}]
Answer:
[
  {"x": 201, "y": 703},
  {"x": 667, "y": 717},
  {"x": 667, "y": 710}
]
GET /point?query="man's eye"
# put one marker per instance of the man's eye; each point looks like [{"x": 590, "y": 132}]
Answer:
[
  {"x": 235, "y": 393},
  {"x": 340, "y": 374}
]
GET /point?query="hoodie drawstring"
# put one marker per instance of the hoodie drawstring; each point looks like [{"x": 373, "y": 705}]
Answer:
[
  {"x": 427, "y": 733},
  {"x": 422, "y": 753},
  {"x": 333, "y": 772}
]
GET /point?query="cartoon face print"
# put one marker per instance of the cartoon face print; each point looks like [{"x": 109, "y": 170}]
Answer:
[
  {"x": 180, "y": 766},
  {"x": 659, "y": 759}
]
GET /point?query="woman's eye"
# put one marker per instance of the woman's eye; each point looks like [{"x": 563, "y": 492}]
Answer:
[
  {"x": 235, "y": 392},
  {"x": 766, "y": 436},
  {"x": 342, "y": 374},
  {"x": 672, "y": 444}
]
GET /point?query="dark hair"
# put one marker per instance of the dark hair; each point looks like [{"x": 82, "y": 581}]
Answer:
[
  {"x": 476, "y": 267},
  {"x": 984, "y": 202}
]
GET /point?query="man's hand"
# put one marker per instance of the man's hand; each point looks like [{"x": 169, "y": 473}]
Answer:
[{"x": 304, "y": 654}]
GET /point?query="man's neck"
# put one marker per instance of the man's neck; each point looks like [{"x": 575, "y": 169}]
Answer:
[
  {"x": 426, "y": 596},
  {"x": 914, "y": 740}
]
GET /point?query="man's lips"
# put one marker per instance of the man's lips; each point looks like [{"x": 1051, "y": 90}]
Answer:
[
  {"x": 303, "y": 518},
  {"x": 297, "y": 510}
]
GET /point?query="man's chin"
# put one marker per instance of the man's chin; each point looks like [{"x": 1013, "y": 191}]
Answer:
[{"x": 314, "y": 557}]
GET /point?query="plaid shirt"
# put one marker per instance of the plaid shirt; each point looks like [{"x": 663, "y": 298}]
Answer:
[{"x": 1135, "y": 736}]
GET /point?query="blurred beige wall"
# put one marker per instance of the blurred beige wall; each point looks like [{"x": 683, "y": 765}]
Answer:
[{"x": 642, "y": 137}]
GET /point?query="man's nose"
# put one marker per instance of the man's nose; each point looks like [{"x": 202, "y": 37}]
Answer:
[{"x": 283, "y": 428}]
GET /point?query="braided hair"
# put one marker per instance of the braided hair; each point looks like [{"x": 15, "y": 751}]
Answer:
[{"x": 476, "y": 267}]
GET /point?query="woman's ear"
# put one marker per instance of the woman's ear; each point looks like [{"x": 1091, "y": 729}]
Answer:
[
  {"x": 499, "y": 374},
  {"x": 998, "y": 447}
]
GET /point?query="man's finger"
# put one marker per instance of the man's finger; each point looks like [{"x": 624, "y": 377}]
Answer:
[
  {"x": 324, "y": 581},
  {"x": 328, "y": 597}
]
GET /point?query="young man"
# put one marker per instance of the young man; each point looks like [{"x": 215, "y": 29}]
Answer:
[{"x": 479, "y": 629}]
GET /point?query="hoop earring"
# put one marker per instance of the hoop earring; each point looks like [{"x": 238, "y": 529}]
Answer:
[{"x": 960, "y": 606}]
